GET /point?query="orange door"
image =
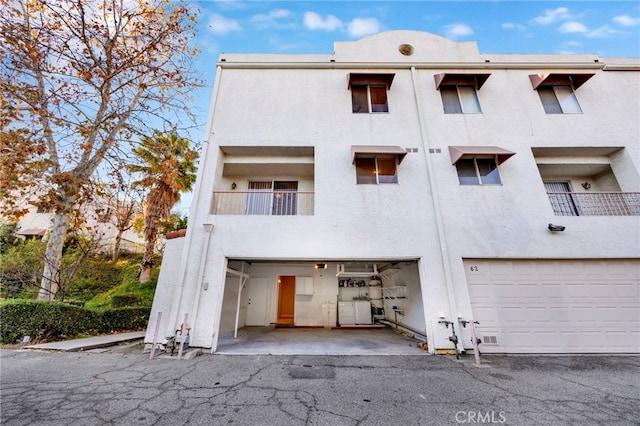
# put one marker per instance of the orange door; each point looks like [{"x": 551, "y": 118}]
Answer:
[{"x": 286, "y": 299}]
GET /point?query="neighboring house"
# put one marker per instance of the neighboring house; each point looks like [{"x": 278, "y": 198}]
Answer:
[
  {"x": 98, "y": 225},
  {"x": 436, "y": 182}
]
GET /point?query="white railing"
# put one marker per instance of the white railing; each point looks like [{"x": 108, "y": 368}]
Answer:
[
  {"x": 595, "y": 203},
  {"x": 264, "y": 203}
]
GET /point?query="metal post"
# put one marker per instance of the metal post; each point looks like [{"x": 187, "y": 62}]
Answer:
[
  {"x": 155, "y": 336},
  {"x": 182, "y": 328},
  {"x": 474, "y": 339}
]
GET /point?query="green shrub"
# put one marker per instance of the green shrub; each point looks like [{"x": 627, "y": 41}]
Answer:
[
  {"x": 124, "y": 300},
  {"x": 125, "y": 319},
  {"x": 21, "y": 267},
  {"x": 95, "y": 276},
  {"x": 43, "y": 320}
]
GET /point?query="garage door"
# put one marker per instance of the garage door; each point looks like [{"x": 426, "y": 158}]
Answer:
[{"x": 556, "y": 306}]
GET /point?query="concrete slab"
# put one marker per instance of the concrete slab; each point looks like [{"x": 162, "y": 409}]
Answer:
[
  {"x": 89, "y": 342},
  {"x": 317, "y": 341}
]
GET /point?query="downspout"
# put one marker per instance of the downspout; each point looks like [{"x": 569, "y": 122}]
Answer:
[
  {"x": 177, "y": 299},
  {"x": 436, "y": 201}
]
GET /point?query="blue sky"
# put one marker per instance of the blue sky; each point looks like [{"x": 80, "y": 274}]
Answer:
[{"x": 607, "y": 28}]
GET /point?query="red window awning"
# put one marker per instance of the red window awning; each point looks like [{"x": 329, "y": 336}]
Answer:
[
  {"x": 447, "y": 79},
  {"x": 364, "y": 79},
  {"x": 359, "y": 151},
  {"x": 573, "y": 79},
  {"x": 459, "y": 152},
  {"x": 33, "y": 231}
]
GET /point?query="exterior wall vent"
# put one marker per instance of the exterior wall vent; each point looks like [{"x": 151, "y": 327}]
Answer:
[{"x": 490, "y": 340}]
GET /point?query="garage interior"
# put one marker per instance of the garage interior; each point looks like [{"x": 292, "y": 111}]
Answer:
[{"x": 338, "y": 308}]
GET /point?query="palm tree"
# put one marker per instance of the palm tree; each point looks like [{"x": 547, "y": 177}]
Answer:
[{"x": 168, "y": 168}]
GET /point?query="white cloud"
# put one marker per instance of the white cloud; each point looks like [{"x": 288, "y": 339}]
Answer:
[
  {"x": 313, "y": 21},
  {"x": 573, "y": 27},
  {"x": 626, "y": 20},
  {"x": 603, "y": 32},
  {"x": 458, "y": 30},
  {"x": 512, "y": 26},
  {"x": 218, "y": 24},
  {"x": 552, "y": 15},
  {"x": 360, "y": 27},
  {"x": 272, "y": 19}
]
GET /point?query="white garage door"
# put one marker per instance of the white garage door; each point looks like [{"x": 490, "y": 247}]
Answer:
[{"x": 556, "y": 306}]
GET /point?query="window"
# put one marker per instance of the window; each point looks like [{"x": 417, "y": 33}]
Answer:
[
  {"x": 556, "y": 91},
  {"x": 369, "y": 92},
  {"x": 459, "y": 100},
  {"x": 375, "y": 170},
  {"x": 478, "y": 171},
  {"x": 559, "y": 100},
  {"x": 369, "y": 98},
  {"x": 459, "y": 92}
]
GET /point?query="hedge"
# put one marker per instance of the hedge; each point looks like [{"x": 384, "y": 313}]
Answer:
[
  {"x": 124, "y": 300},
  {"x": 43, "y": 320},
  {"x": 124, "y": 319}
]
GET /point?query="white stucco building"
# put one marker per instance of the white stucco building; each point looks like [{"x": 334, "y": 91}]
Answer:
[{"x": 499, "y": 188}]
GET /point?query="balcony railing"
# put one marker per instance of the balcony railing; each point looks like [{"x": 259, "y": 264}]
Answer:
[
  {"x": 264, "y": 203},
  {"x": 595, "y": 203}
]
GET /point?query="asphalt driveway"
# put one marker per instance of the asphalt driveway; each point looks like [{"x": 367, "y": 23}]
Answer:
[{"x": 124, "y": 387}]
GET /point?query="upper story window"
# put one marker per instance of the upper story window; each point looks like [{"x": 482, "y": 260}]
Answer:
[
  {"x": 377, "y": 164},
  {"x": 478, "y": 165},
  {"x": 376, "y": 170},
  {"x": 459, "y": 92},
  {"x": 369, "y": 92},
  {"x": 556, "y": 91},
  {"x": 478, "y": 171}
]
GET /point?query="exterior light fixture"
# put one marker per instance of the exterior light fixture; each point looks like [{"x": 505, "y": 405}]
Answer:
[
  {"x": 233, "y": 185},
  {"x": 586, "y": 186},
  {"x": 320, "y": 266},
  {"x": 556, "y": 228}
]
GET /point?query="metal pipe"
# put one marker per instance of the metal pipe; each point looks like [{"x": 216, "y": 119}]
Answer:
[
  {"x": 241, "y": 282},
  {"x": 155, "y": 336},
  {"x": 182, "y": 327},
  {"x": 474, "y": 339}
]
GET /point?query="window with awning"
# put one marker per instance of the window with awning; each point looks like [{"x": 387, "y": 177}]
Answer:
[
  {"x": 458, "y": 92},
  {"x": 556, "y": 91},
  {"x": 377, "y": 164},
  {"x": 369, "y": 92},
  {"x": 478, "y": 165}
]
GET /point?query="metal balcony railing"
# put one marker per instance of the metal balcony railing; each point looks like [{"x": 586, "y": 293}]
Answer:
[
  {"x": 264, "y": 203},
  {"x": 595, "y": 203}
]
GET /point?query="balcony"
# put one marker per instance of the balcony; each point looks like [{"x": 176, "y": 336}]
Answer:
[
  {"x": 263, "y": 203},
  {"x": 595, "y": 203}
]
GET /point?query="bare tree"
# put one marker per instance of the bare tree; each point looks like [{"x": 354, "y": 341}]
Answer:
[{"x": 80, "y": 78}]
